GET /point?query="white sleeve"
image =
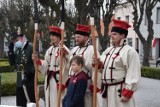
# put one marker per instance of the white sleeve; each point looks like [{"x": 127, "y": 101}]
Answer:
[{"x": 133, "y": 70}]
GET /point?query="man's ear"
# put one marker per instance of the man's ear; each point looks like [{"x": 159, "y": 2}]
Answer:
[
  {"x": 86, "y": 37},
  {"x": 123, "y": 36}
]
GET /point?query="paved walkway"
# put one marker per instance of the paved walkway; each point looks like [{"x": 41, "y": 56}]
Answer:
[
  {"x": 8, "y": 100},
  {"x": 11, "y": 101},
  {"x": 147, "y": 96}
]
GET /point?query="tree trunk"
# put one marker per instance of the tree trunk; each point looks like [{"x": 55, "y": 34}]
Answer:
[
  {"x": 146, "y": 6},
  {"x": 104, "y": 41},
  {"x": 68, "y": 37},
  {"x": 146, "y": 51},
  {"x": 147, "y": 47},
  {"x": 2, "y": 54}
]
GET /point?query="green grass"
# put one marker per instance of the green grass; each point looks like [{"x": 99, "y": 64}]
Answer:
[
  {"x": 10, "y": 77},
  {"x": 4, "y": 63}
]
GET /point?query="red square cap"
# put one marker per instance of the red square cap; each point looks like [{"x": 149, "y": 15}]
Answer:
[
  {"x": 83, "y": 30},
  {"x": 54, "y": 29},
  {"x": 121, "y": 24}
]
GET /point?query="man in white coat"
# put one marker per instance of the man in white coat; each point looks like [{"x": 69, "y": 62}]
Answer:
[
  {"x": 85, "y": 50},
  {"x": 50, "y": 67},
  {"x": 121, "y": 69}
]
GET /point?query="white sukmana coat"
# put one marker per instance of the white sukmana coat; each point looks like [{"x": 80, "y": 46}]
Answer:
[
  {"x": 87, "y": 56},
  {"x": 51, "y": 92},
  {"x": 127, "y": 65}
]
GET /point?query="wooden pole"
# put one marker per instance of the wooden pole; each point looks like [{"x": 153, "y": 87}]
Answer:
[
  {"x": 96, "y": 66},
  {"x": 35, "y": 66},
  {"x": 61, "y": 67},
  {"x": 34, "y": 52},
  {"x": 61, "y": 54}
]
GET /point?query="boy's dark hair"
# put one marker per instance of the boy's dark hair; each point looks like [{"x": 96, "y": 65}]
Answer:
[{"x": 77, "y": 59}]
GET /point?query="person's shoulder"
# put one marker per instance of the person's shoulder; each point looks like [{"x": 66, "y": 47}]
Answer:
[
  {"x": 50, "y": 48},
  {"x": 28, "y": 45},
  {"x": 90, "y": 47},
  {"x": 74, "y": 48},
  {"x": 82, "y": 76},
  {"x": 66, "y": 48},
  {"x": 130, "y": 49},
  {"x": 107, "y": 50}
]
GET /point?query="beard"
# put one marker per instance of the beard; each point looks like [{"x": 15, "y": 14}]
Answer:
[
  {"x": 54, "y": 42},
  {"x": 82, "y": 43}
]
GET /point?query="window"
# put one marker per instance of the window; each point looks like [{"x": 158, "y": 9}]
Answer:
[
  {"x": 158, "y": 15},
  {"x": 119, "y": 18},
  {"x": 127, "y": 18},
  {"x": 130, "y": 41}
]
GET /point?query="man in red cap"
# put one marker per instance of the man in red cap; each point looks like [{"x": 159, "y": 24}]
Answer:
[
  {"x": 50, "y": 66},
  {"x": 121, "y": 69},
  {"x": 85, "y": 50}
]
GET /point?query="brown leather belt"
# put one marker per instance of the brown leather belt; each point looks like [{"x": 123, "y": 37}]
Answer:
[
  {"x": 104, "y": 87},
  {"x": 51, "y": 74}
]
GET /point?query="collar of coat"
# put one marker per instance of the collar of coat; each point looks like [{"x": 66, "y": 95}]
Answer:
[{"x": 25, "y": 45}]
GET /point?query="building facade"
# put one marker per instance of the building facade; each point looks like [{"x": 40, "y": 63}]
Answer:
[{"x": 124, "y": 12}]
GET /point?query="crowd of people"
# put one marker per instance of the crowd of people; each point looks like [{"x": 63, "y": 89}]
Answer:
[{"x": 118, "y": 69}]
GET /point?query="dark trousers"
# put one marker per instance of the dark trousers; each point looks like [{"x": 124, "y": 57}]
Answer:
[{"x": 20, "y": 96}]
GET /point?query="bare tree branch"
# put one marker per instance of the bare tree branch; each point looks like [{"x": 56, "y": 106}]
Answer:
[{"x": 144, "y": 6}]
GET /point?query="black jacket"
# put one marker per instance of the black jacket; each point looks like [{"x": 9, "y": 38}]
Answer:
[
  {"x": 76, "y": 89},
  {"x": 24, "y": 57}
]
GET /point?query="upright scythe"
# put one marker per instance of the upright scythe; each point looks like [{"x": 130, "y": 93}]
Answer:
[
  {"x": 95, "y": 53},
  {"x": 61, "y": 53},
  {"x": 34, "y": 51}
]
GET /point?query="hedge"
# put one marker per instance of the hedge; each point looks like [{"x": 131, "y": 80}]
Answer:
[
  {"x": 6, "y": 69},
  {"x": 150, "y": 72},
  {"x": 9, "y": 89},
  {"x": 3, "y": 59}
]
